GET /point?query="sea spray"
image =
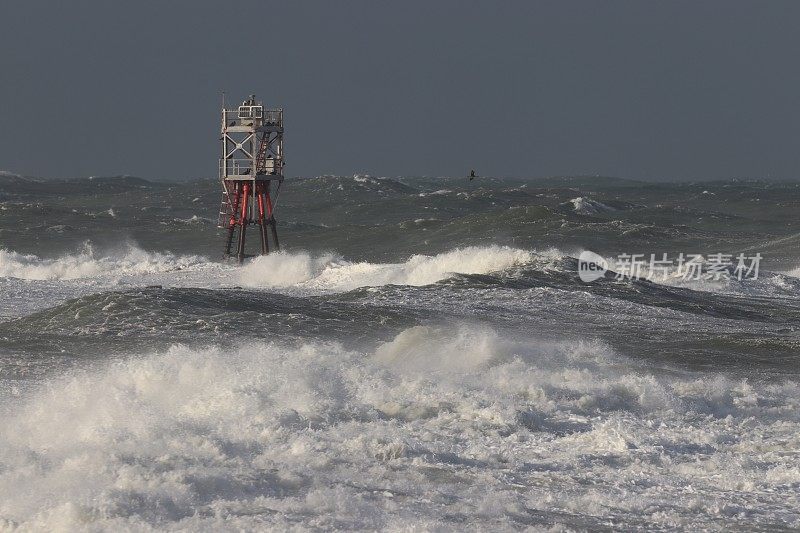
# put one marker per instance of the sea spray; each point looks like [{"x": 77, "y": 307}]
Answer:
[
  {"x": 89, "y": 263},
  {"x": 334, "y": 273},
  {"x": 272, "y": 434}
]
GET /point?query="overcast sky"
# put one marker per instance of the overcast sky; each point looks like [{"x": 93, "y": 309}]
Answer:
[{"x": 654, "y": 90}]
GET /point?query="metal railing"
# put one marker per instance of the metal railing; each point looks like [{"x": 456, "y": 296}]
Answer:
[
  {"x": 270, "y": 117},
  {"x": 246, "y": 167},
  {"x": 236, "y": 167}
]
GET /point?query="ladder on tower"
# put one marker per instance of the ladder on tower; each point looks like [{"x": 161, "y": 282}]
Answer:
[
  {"x": 225, "y": 208},
  {"x": 261, "y": 156}
]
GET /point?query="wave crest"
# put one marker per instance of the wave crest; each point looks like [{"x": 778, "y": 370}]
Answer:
[
  {"x": 88, "y": 263},
  {"x": 331, "y": 272}
]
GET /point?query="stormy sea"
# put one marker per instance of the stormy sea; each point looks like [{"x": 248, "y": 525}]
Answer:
[{"x": 422, "y": 354}]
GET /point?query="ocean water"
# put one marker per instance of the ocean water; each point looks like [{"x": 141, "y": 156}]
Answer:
[{"x": 421, "y": 355}]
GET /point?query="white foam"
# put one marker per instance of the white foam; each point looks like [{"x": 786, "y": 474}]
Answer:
[
  {"x": 130, "y": 260},
  {"x": 331, "y": 272},
  {"x": 440, "y": 192},
  {"x": 434, "y": 349},
  {"x": 436, "y": 426},
  {"x": 194, "y": 219},
  {"x": 587, "y": 206},
  {"x": 88, "y": 271}
]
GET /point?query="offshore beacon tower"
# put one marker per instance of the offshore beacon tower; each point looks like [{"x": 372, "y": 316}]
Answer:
[{"x": 251, "y": 173}]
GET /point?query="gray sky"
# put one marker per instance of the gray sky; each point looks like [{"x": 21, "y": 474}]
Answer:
[{"x": 658, "y": 90}]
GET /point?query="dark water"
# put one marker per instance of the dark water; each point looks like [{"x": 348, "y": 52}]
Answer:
[
  {"x": 385, "y": 219},
  {"x": 423, "y": 354}
]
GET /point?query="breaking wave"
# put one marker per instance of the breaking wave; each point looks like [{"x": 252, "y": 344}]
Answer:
[
  {"x": 331, "y": 272},
  {"x": 314, "y": 435},
  {"x": 88, "y": 264},
  {"x": 587, "y": 206}
]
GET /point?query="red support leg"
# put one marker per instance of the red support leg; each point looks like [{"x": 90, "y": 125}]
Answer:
[
  {"x": 261, "y": 220},
  {"x": 272, "y": 220},
  {"x": 243, "y": 220}
]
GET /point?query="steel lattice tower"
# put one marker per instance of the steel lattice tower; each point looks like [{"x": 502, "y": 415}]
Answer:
[{"x": 251, "y": 173}]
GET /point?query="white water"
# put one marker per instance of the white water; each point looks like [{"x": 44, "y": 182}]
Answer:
[
  {"x": 129, "y": 260},
  {"x": 29, "y": 283},
  {"x": 329, "y": 272},
  {"x": 275, "y": 270},
  {"x": 587, "y": 206},
  {"x": 437, "y": 426},
  {"x": 313, "y": 272}
]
